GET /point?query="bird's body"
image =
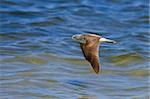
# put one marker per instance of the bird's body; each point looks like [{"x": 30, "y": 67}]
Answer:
[{"x": 89, "y": 44}]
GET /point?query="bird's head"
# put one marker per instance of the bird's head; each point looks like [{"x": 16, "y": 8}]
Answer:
[{"x": 87, "y": 38}]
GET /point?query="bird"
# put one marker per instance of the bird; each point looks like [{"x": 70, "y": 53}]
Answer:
[{"x": 89, "y": 43}]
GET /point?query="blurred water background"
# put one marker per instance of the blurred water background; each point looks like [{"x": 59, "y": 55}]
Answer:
[{"x": 39, "y": 60}]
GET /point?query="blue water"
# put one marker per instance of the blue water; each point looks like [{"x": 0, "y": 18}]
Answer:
[{"x": 39, "y": 60}]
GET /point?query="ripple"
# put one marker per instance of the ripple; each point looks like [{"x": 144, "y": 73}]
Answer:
[
  {"x": 87, "y": 97},
  {"x": 78, "y": 61},
  {"x": 13, "y": 3},
  {"x": 134, "y": 8},
  {"x": 138, "y": 21},
  {"x": 137, "y": 88},
  {"x": 8, "y": 2},
  {"x": 126, "y": 59},
  {"x": 4, "y": 37},
  {"x": 20, "y": 35},
  {"x": 27, "y": 60},
  {"x": 11, "y": 51},
  {"x": 77, "y": 83},
  {"x": 21, "y": 14},
  {"x": 138, "y": 73},
  {"x": 48, "y": 22}
]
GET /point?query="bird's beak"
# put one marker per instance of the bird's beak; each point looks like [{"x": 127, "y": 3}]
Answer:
[{"x": 107, "y": 40}]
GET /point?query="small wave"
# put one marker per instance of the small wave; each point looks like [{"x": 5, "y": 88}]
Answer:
[
  {"x": 126, "y": 59},
  {"x": 48, "y": 22},
  {"x": 26, "y": 59}
]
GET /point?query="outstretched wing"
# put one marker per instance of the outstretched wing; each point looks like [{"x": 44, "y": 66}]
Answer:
[{"x": 91, "y": 54}]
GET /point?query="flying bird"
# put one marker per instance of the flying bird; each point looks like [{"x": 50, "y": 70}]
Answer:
[{"x": 89, "y": 44}]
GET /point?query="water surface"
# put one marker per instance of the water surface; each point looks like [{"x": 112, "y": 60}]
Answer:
[{"x": 39, "y": 60}]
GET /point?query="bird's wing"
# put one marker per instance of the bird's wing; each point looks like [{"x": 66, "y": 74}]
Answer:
[{"x": 91, "y": 54}]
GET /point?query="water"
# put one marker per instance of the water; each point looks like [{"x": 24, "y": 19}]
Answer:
[{"x": 39, "y": 60}]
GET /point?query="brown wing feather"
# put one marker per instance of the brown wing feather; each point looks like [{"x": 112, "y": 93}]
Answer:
[
  {"x": 95, "y": 63},
  {"x": 91, "y": 54}
]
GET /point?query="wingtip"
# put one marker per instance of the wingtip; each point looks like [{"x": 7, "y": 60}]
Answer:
[
  {"x": 97, "y": 72},
  {"x": 95, "y": 66}
]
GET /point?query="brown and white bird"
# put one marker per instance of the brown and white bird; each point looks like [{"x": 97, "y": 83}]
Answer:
[{"x": 89, "y": 44}]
